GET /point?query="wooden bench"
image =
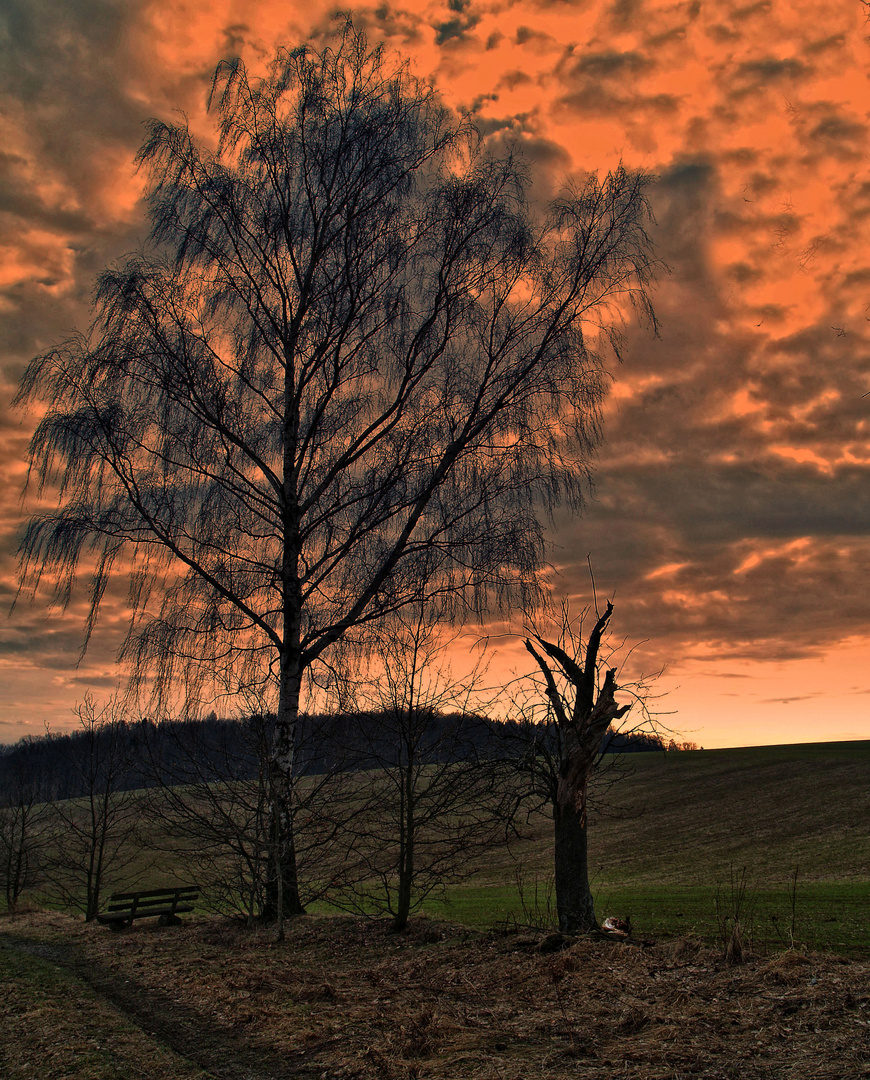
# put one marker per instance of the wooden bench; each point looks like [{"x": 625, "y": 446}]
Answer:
[{"x": 166, "y": 904}]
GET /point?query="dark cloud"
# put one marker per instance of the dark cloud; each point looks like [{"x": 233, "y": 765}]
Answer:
[
  {"x": 546, "y": 155},
  {"x": 459, "y": 26},
  {"x": 604, "y": 82},
  {"x": 626, "y": 13},
  {"x": 751, "y": 11},
  {"x": 789, "y": 700},
  {"x": 689, "y": 179},
  {"x": 859, "y": 279},
  {"x": 753, "y": 83},
  {"x": 831, "y": 43},
  {"x": 723, "y": 675},
  {"x": 834, "y": 130},
  {"x": 771, "y": 69},
  {"x": 65, "y": 57},
  {"x": 536, "y": 39},
  {"x": 838, "y": 136},
  {"x": 43, "y": 308},
  {"x": 547, "y": 162},
  {"x": 744, "y": 272},
  {"x": 43, "y": 644},
  {"x": 235, "y": 37},
  {"x": 490, "y": 125},
  {"x": 453, "y": 28},
  {"x": 734, "y": 597},
  {"x": 610, "y": 64},
  {"x": 596, "y": 99},
  {"x": 512, "y": 79},
  {"x": 683, "y": 200},
  {"x": 73, "y": 125},
  {"x": 82, "y": 40},
  {"x": 709, "y": 504},
  {"x": 91, "y": 681},
  {"x": 722, "y": 33},
  {"x": 405, "y": 29}
]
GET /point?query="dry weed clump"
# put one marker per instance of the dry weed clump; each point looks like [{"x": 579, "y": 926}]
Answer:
[
  {"x": 735, "y": 950},
  {"x": 344, "y": 999},
  {"x": 680, "y": 950},
  {"x": 788, "y": 967}
]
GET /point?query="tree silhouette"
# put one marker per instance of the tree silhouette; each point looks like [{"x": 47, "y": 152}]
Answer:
[
  {"x": 432, "y": 796},
  {"x": 564, "y": 752},
  {"x": 353, "y": 356},
  {"x": 25, "y": 810},
  {"x": 96, "y": 836}
]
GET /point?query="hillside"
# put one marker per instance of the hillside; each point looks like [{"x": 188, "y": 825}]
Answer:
[
  {"x": 776, "y": 835},
  {"x": 678, "y": 834},
  {"x": 771, "y": 808},
  {"x": 677, "y": 817}
]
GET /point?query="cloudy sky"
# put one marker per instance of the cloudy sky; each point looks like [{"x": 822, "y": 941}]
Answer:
[{"x": 731, "y": 515}]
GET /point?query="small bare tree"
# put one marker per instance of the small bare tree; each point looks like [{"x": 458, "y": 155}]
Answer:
[
  {"x": 433, "y": 796},
  {"x": 210, "y": 798},
  {"x": 24, "y": 829},
  {"x": 95, "y": 834}
]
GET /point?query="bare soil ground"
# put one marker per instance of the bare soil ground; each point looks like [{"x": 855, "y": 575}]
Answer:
[{"x": 343, "y": 998}]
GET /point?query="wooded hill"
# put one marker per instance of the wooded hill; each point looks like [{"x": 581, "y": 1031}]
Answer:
[{"x": 151, "y": 753}]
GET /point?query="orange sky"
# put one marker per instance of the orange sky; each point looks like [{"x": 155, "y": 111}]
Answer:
[{"x": 732, "y": 505}]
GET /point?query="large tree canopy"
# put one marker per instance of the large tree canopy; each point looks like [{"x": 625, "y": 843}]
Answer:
[{"x": 353, "y": 357}]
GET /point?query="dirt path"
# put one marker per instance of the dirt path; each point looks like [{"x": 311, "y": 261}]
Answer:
[{"x": 218, "y": 1051}]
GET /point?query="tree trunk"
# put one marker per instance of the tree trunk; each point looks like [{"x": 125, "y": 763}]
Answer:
[
  {"x": 574, "y": 901},
  {"x": 284, "y": 899},
  {"x": 406, "y": 874}
]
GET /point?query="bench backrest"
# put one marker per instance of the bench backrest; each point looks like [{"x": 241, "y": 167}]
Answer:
[{"x": 153, "y": 898}]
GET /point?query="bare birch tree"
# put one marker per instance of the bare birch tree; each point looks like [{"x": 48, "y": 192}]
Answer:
[{"x": 351, "y": 346}]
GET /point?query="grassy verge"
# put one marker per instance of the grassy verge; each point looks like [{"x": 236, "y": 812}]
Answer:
[
  {"x": 51, "y": 1017},
  {"x": 827, "y": 916}
]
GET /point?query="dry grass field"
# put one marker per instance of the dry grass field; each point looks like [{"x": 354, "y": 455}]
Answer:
[
  {"x": 343, "y": 998},
  {"x": 472, "y": 993}
]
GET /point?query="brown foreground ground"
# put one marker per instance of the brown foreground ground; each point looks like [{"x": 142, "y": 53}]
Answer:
[{"x": 342, "y": 998}]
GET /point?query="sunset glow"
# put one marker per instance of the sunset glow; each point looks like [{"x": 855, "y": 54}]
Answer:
[{"x": 731, "y": 514}]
